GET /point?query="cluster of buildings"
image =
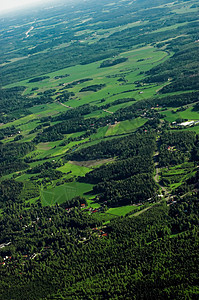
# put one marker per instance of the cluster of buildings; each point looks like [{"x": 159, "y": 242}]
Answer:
[
  {"x": 186, "y": 124},
  {"x": 96, "y": 232}
]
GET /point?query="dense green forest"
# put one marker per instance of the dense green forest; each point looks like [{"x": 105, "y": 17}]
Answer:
[
  {"x": 11, "y": 158},
  {"x": 176, "y": 147},
  {"x": 99, "y": 151},
  {"x": 125, "y": 147},
  {"x": 127, "y": 263}
]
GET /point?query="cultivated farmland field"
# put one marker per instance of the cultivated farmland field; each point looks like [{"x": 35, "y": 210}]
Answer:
[{"x": 64, "y": 193}]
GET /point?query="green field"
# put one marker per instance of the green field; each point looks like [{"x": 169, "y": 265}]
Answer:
[
  {"x": 122, "y": 210},
  {"x": 63, "y": 193},
  {"x": 194, "y": 128},
  {"x": 130, "y": 70},
  {"x": 125, "y": 126},
  {"x": 172, "y": 115},
  {"x": 139, "y": 61},
  {"x": 74, "y": 169}
]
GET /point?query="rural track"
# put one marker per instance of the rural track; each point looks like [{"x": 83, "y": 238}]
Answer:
[
  {"x": 157, "y": 170},
  {"x": 65, "y": 105},
  {"x": 110, "y": 112}
]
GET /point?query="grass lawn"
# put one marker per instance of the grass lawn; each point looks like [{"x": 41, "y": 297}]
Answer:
[
  {"x": 125, "y": 126},
  {"x": 186, "y": 114},
  {"x": 52, "y": 149},
  {"x": 122, "y": 210},
  {"x": 74, "y": 169},
  {"x": 195, "y": 128},
  {"x": 92, "y": 203},
  {"x": 101, "y": 132}
]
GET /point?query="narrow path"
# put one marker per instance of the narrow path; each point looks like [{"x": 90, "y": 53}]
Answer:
[
  {"x": 157, "y": 170},
  {"x": 65, "y": 105},
  {"x": 109, "y": 112},
  {"x": 144, "y": 210},
  {"x": 141, "y": 211}
]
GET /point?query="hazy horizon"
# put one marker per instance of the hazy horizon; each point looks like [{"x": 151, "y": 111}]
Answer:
[{"x": 16, "y": 5}]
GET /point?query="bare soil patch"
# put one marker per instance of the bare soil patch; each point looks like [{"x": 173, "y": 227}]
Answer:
[
  {"x": 91, "y": 163},
  {"x": 44, "y": 146}
]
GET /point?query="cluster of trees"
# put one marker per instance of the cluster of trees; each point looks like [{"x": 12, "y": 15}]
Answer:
[
  {"x": 8, "y": 131},
  {"x": 49, "y": 92},
  {"x": 37, "y": 79},
  {"x": 126, "y": 147},
  {"x": 72, "y": 113},
  {"x": 48, "y": 175},
  {"x": 14, "y": 192},
  {"x": 187, "y": 83},
  {"x": 78, "y": 138},
  {"x": 75, "y": 202},
  {"x": 195, "y": 152},
  {"x": 74, "y": 83},
  {"x": 185, "y": 213},
  {"x": 93, "y": 88},
  {"x": 189, "y": 185},
  {"x": 120, "y": 169},
  {"x": 172, "y": 100},
  {"x": 39, "y": 127},
  {"x": 11, "y": 156},
  {"x": 136, "y": 189},
  {"x": 176, "y": 147},
  {"x": 181, "y": 68},
  {"x": 10, "y": 191},
  {"x": 116, "y": 102},
  {"x": 196, "y": 107},
  {"x": 45, "y": 166},
  {"x": 13, "y": 105},
  {"x": 57, "y": 131},
  {"x": 65, "y": 96},
  {"x": 113, "y": 62},
  {"x": 61, "y": 76}
]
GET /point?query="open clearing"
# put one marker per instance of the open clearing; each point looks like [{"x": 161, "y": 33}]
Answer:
[
  {"x": 122, "y": 210},
  {"x": 125, "y": 126},
  {"x": 63, "y": 193},
  {"x": 189, "y": 113},
  {"x": 91, "y": 163}
]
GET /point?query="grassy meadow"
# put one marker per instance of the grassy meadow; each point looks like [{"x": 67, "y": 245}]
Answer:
[{"x": 63, "y": 193}]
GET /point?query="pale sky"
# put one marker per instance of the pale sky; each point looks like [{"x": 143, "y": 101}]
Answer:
[{"x": 16, "y": 4}]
